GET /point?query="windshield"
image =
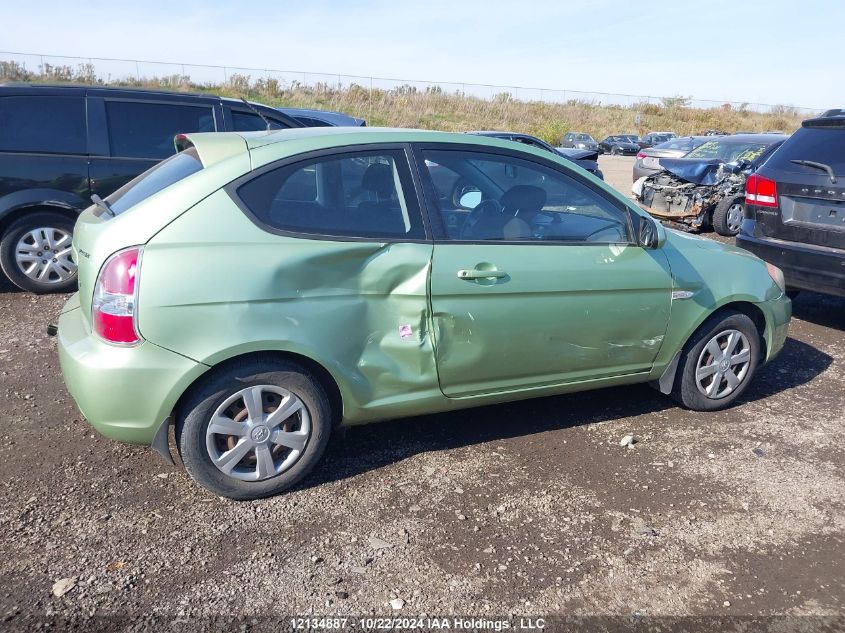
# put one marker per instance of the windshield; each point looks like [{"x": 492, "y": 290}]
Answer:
[
  {"x": 154, "y": 180},
  {"x": 729, "y": 152},
  {"x": 582, "y": 137}
]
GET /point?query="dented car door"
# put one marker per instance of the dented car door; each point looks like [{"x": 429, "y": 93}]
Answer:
[{"x": 570, "y": 299}]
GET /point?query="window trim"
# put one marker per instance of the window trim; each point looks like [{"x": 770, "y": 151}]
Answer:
[
  {"x": 431, "y": 210},
  {"x": 338, "y": 151}
]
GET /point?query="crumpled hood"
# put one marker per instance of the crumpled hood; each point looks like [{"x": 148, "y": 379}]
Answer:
[{"x": 699, "y": 171}]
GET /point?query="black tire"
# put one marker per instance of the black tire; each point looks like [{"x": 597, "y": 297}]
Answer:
[
  {"x": 686, "y": 390},
  {"x": 724, "y": 222},
  {"x": 194, "y": 417},
  {"x": 9, "y": 242}
]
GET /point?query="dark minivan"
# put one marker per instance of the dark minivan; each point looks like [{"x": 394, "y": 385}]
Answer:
[
  {"x": 795, "y": 207},
  {"x": 59, "y": 145}
]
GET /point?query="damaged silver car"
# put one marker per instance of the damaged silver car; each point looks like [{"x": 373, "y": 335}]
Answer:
[{"x": 706, "y": 188}]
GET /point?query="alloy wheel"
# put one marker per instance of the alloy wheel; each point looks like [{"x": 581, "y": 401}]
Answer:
[
  {"x": 723, "y": 364},
  {"x": 258, "y": 432},
  {"x": 44, "y": 255}
]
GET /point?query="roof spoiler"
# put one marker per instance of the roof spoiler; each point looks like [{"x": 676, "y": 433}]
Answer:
[{"x": 212, "y": 147}]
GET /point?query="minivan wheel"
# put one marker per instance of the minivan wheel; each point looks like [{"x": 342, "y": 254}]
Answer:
[
  {"x": 254, "y": 429},
  {"x": 718, "y": 362},
  {"x": 727, "y": 216},
  {"x": 35, "y": 253}
]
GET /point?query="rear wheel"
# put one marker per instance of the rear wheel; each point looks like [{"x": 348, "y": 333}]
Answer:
[
  {"x": 718, "y": 362},
  {"x": 727, "y": 216},
  {"x": 254, "y": 429},
  {"x": 35, "y": 253}
]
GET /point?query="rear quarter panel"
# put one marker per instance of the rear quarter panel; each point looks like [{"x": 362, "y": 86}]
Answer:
[{"x": 96, "y": 237}]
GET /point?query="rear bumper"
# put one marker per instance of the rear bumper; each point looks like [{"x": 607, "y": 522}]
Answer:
[
  {"x": 124, "y": 392},
  {"x": 805, "y": 267}
]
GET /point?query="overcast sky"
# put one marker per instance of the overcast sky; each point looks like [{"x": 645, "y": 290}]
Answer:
[{"x": 778, "y": 51}]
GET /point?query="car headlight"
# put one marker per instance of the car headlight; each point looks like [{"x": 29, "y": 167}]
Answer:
[{"x": 777, "y": 276}]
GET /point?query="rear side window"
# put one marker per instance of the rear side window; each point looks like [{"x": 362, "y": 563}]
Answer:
[
  {"x": 54, "y": 125},
  {"x": 251, "y": 122},
  {"x": 153, "y": 180},
  {"x": 819, "y": 144},
  {"x": 361, "y": 194},
  {"x": 146, "y": 130},
  {"x": 311, "y": 122}
]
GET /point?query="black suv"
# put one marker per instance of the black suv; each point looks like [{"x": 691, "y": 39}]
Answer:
[
  {"x": 59, "y": 145},
  {"x": 795, "y": 207}
]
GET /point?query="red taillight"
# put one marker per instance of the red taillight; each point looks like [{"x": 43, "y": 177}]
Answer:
[
  {"x": 115, "y": 298},
  {"x": 761, "y": 191},
  {"x": 640, "y": 155}
]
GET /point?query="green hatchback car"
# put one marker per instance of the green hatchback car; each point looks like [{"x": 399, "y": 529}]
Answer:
[{"x": 258, "y": 289}]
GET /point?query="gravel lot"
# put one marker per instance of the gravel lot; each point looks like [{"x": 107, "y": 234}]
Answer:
[{"x": 531, "y": 508}]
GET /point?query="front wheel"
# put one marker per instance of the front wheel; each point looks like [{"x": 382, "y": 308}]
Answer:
[
  {"x": 254, "y": 429},
  {"x": 727, "y": 216},
  {"x": 718, "y": 362},
  {"x": 35, "y": 253},
  {"x": 615, "y": 151}
]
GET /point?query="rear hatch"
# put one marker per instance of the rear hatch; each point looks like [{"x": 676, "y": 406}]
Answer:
[
  {"x": 810, "y": 204},
  {"x": 133, "y": 214}
]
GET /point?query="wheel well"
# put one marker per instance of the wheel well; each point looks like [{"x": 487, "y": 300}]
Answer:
[
  {"x": 755, "y": 314},
  {"x": 665, "y": 383},
  {"x": 6, "y": 220},
  {"x": 327, "y": 382}
]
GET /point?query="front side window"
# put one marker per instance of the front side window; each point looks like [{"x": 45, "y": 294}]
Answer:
[
  {"x": 140, "y": 129},
  {"x": 360, "y": 194},
  {"x": 53, "y": 125},
  {"x": 496, "y": 197}
]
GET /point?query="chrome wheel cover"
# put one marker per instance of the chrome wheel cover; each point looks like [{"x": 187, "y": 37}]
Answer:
[
  {"x": 723, "y": 364},
  {"x": 44, "y": 255},
  {"x": 734, "y": 217},
  {"x": 258, "y": 432}
]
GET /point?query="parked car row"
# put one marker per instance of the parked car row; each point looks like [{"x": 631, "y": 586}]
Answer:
[
  {"x": 61, "y": 145},
  {"x": 782, "y": 196},
  {"x": 706, "y": 187},
  {"x": 177, "y": 331}
]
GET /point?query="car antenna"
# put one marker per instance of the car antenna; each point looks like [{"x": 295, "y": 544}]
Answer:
[{"x": 257, "y": 111}]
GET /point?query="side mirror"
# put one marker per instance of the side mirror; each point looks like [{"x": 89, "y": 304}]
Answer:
[
  {"x": 470, "y": 198},
  {"x": 651, "y": 233}
]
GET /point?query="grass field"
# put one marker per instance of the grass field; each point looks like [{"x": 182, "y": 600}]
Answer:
[{"x": 432, "y": 108}]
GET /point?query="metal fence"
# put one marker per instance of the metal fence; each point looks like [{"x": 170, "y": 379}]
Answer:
[{"x": 16, "y": 66}]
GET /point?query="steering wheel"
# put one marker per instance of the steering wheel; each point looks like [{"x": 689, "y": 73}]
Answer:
[{"x": 487, "y": 205}]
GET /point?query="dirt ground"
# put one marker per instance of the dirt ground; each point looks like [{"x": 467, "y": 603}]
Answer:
[{"x": 526, "y": 509}]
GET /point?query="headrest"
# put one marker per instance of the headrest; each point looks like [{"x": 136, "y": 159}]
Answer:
[
  {"x": 525, "y": 198},
  {"x": 379, "y": 179}
]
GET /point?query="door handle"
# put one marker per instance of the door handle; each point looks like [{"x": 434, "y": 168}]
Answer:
[{"x": 475, "y": 273}]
